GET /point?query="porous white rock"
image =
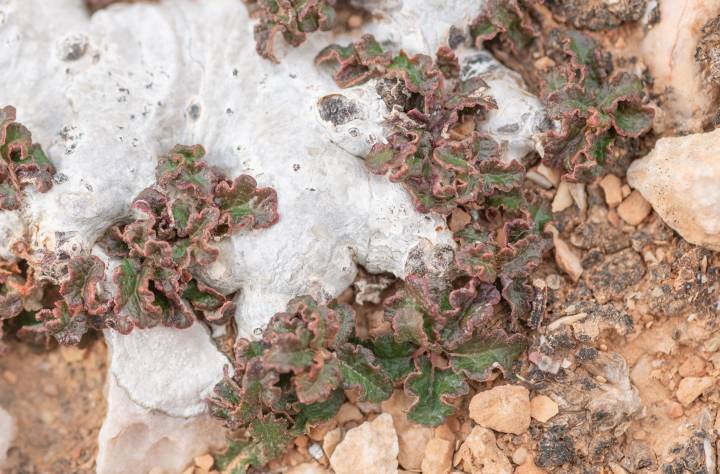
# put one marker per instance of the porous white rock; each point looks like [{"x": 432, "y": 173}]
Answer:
[
  {"x": 135, "y": 439},
  {"x": 106, "y": 95},
  {"x": 7, "y": 433},
  {"x": 679, "y": 178},
  {"x": 165, "y": 369}
]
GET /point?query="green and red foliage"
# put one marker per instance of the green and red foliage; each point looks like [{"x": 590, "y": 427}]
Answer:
[
  {"x": 293, "y": 19},
  {"x": 174, "y": 224},
  {"x": 597, "y": 110},
  {"x": 298, "y": 372},
  {"x": 22, "y": 162}
]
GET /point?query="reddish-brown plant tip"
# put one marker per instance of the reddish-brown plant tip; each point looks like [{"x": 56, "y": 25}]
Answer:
[
  {"x": 291, "y": 19},
  {"x": 22, "y": 162}
]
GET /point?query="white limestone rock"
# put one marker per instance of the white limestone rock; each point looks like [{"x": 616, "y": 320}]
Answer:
[
  {"x": 679, "y": 178},
  {"x": 135, "y": 439},
  {"x": 7, "y": 433},
  {"x": 165, "y": 369}
]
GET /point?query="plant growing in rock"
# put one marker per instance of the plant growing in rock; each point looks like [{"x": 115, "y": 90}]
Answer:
[
  {"x": 173, "y": 227},
  {"x": 298, "y": 373},
  {"x": 439, "y": 332},
  {"x": 22, "y": 162},
  {"x": 293, "y": 19},
  {"x": 598, "y": 109}
]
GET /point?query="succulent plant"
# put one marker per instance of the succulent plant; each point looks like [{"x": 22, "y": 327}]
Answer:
[
  {"x": 293, "y": 19},
  {"x": 297, "y": 373},
  {"x": 598, "y": 109},
  {"x": 594, "y": 106},
  {"x": 174, "y": 224},
  {"x": 22, "y": 162}
]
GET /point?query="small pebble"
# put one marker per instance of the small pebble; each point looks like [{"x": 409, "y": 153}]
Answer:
[
  {"x": 10, "y": 377},
  {"x": 634, "y": 209},
  {"x": 354, "y": 22},
  {"x": 205, "y": 462},
  {"x": 612, "y": 187},
  {"x": 675, "y": 410},
  {"x": 520, "y": 455},
  {"x": 543, "y": 408}
]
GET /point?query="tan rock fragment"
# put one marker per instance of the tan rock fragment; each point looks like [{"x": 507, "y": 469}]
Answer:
[
  {"x": 529, "y": 467},
  {"x": 680, "y": 179},
  {"x": 348, "y": 412},
  {"x": 579, "y": 195},
  {"x": 505, "y": 408},
  {"x": 412, "y": 437},
  {"x": 543, "y": 408},
  {"x": 634, "y": 209},
  {"x": 331, "y": 440},
  {"x": 612, "y": 187},
  {"x": 205, "y": 462},
  {"x": 693, "y": 366},
  {"x": 370, "y": 447},
  {"x": 479, "y": 454},
  {"x": 567, "y": 260},
  {"x": 563, "y": 199},
  {"x": 308, "y": 468},
  {"x": 690, "y": 388},
  {"x": 551, "y": 174},
  {"x": 438, "y": 456}
]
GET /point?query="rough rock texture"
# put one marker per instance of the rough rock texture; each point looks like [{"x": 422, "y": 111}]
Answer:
[
  {"x": 669, "y": 52},
  {"x": 137, "y": 439},
  {"x": 438, "y": 456},
  {"x": 183, "y": 366},
  {"x": 412, "y": 437},
  {"x": 598, "y": 14},
  {"x": 125, "y": 85},
  {"x": 7, "y": 433},
  {"x": 479, "y": 454},
  {"x": 371, "y": 447},
  {"x": 505, "y": 408},
  {"x": 679, "y": 178}
]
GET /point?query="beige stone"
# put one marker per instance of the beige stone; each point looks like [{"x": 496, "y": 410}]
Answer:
[
  {"x": 563, "y": 199},
  {"x": 692, "y": 387},
  {"x": 371, "y": 447},
  {"x": 205, "y": 461},
  {"x": 634, "y": 209},
  {"x": 348, "y": 412},
  {"x": 308, "y": 468},
  {"x": 693, "y": 366},
  {"x": 529, "y": 467},
  {"x": 520, "y": 455},
  {"x": 679, "y": 177},
  {"x": 551, "y": 174},
  {"x": 567, "y": 260},
  {"x": 675, "y": 410},
  {"x": 412, "y": 437},
  {"x": 438, "y": 456},
  {"x": 579, "y": 195},
  {"x": 505, "y": 408},
  {"x": 612, "y": 188},
  {"x": 331, "y": 440},
  {"x": 479, "y": 454},
  {"x": 543, "y": 408}
]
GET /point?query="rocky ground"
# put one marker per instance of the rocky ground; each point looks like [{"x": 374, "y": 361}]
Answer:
[{"x": 622, "y": 376}]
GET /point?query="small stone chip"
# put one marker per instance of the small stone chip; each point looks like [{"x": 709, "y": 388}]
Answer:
[
  {"x": 542, "y": 408},
  {"x": 612, "y": 187},
  {"x": 634, "y": 209},
  {"x": 205, "y": 461}
]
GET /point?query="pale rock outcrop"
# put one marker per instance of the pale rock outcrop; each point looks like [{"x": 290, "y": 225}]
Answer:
[
  {"x": 137, "y": 439},
  {"x": 106, "y": 95},
  {"x": 371, "y": 447},
  {"x": 679, "y": 178}
]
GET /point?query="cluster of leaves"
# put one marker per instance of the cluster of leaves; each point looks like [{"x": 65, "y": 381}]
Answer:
[
  {"x": 22, "y": 162},
  {"x": 309, "y": 357},
  {"x": 448, "y": 166},
  {"x": 439, "y": 333},
  {"x": 175, "y": 223},
  {"x": 598, "y": 109},
  {"x": 293, "y": 19}
]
